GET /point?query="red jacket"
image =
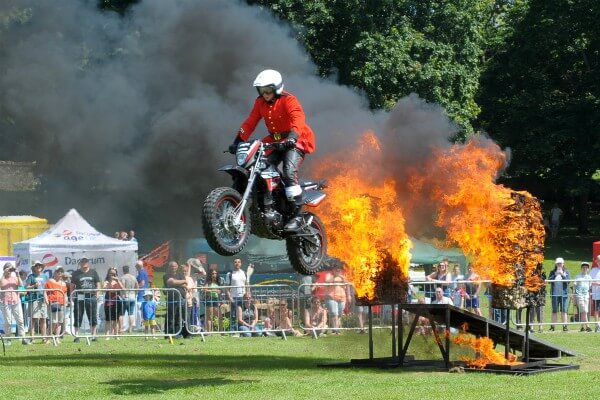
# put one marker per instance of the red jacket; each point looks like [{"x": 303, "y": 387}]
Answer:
[{"x": 282, "y": 115}]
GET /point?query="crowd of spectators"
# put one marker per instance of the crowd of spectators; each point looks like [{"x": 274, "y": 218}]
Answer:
[{"x": 197, "y": 300}]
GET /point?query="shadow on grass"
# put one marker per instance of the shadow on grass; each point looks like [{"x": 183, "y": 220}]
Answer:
[
  {"x": 157, "y": 386},
  {"x": 181, "y": 362}
]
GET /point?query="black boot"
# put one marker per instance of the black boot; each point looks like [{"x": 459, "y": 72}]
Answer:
[{"x": 295, "y": 222}]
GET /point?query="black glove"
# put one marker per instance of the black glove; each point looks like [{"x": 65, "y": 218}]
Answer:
[
  {"x": 289, "y": 144},
  {"x": 233, "y": 146}
]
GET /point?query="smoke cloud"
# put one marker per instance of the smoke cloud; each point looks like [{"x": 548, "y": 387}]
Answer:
[{"x": 128, "y": 117}]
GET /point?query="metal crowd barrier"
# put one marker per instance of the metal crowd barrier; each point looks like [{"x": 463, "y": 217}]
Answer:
[
  {"x": 33, "y": 314},
  {"x": 566, "y": 306},
  {"x": 214, "y": 310},
  {"x": 101, "y": 313},
  {"x": 341, "y": 314}
]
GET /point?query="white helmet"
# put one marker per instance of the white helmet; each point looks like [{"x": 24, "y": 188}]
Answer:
[{"x": 269, "y": 77}]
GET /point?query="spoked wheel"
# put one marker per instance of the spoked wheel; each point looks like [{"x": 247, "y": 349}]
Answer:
[
  {"x": 308, "y": 249},
  {"x": 224, "y": 234}
]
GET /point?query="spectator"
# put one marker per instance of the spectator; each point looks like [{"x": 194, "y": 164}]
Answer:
[
  {"x": 441, "y": 277},
  {"x": 175, "y": 281},
  {"x": 238, "y": 281},
  {"x": 423, "y": 324},
  {"x": 23, "y": 297},
  {"x": 538, "y": 308},
  {"x": 595, "y": 274},
  {"x": 472, "y": 290},
  {"x": 112, "y": 297},
  {"x": 440, "y": 298},
  {"x": 87, "y": 282},
  {"x": 129, "y": 282},
  {"x": 198, "y": 274},
  {"x": 317, "y": 318},
  {"x": 583, "y": 283},
  {"x": 57, "y": 294},
  {"x": 337, "y": 297},
  {"x": 281, "y": 319},
  {"x": 555, "y": 217},
  {"x": 458, "y": 287},
  {"x": 149, "y": 313},
  {"x": 191, "y": 302},
  {"x": 212, "y": 296},
  {"x": 11, "y": 303},
  {"x": 132, "y": 236},
  {"x": 37, "y": 299},
  {"x": 143, "y": 283},
  {"x": 247, "y": 315},
  {"x": 559, "y": 292},
  {"x": 123, "y": 235}
]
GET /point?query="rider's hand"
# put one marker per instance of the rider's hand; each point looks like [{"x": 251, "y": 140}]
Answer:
[
  {"x": 289, "y": 144},
  {"x": 233, "y": 146}
]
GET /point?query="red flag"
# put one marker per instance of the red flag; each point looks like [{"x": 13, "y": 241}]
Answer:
[{"x": 156, "y": 258}]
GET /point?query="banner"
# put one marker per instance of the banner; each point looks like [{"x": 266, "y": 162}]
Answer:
[
  {"x": 156, "y": 258},
  {"x": 99, "y": 260}
]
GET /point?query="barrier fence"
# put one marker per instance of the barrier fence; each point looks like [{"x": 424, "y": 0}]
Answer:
[
  {"x": 257, "y": 310},
  {"x": 34, "y": 314}
]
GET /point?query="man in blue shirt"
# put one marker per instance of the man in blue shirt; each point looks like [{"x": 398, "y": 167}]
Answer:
[{"x": 143, "y": 283}]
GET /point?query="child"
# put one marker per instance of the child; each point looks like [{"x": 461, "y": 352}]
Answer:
[{"x": 149, "y": 312}]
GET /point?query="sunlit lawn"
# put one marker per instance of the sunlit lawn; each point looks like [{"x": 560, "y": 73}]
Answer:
[{"x": 271, "y": 368}]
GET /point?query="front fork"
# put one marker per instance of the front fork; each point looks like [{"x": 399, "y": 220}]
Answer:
[{"x": 239, "y": 211}]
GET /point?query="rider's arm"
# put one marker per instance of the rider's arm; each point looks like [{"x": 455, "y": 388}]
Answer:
[
  {"x": 250, "y": 123},
  {"x": 296, "y": 113}
]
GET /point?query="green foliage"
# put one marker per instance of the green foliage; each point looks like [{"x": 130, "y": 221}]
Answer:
[
  {"x": 540, "y": 94},
  {"x": 391, "y": 48}
]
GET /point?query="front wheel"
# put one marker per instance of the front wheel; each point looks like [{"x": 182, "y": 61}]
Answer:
[
  {"x": 224, "y": 234},
  {"x": 308, "y": 249}
]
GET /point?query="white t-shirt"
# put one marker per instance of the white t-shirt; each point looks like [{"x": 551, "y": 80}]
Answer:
[
  {"x": 555, "y": 214},
  {"x": 595, "y": 274},
  {"x": 582, "y": 285},
  {"x": 444, "y": 300},
  {"x": 237, "y": 279}
]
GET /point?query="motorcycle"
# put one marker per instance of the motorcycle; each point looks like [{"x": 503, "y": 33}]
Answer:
[{"x": 256, "y": 203}]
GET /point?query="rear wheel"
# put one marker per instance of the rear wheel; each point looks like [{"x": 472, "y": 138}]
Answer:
[
  {"x": 306, "y": 253},
  {"x": 223, "y": 234}
]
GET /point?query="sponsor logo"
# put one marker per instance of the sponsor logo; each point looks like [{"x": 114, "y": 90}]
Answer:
[
  {"x": 75, "y": 261},
  {"x": 49, "y": 260}
]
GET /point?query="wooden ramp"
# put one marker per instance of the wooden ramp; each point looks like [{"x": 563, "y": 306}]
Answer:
[{"x": 444, "y": 314}]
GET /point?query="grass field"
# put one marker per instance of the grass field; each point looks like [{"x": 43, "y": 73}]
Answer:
[{"x": 271, "y": 368}]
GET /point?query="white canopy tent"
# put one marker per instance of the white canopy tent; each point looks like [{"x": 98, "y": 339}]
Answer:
[{"x": 71, "y": 239}]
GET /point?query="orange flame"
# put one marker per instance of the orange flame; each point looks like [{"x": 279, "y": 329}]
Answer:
[
  {"x": 365, "y": 224},
  {"x": 495, "y": 226},
  {"x": 484, "y": 347}
]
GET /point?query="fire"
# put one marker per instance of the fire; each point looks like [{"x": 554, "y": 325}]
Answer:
[
  {"x": 495, "y": 226},
  {"x": 365, "y": 223},
  {"x": 484, "y": 347}
]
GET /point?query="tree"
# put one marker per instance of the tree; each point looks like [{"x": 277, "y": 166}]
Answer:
[
  {"x": 391, "y": 48},
  {"x": 540, "y": 96}
]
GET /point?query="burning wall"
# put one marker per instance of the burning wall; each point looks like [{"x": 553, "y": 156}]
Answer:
[{"x": 499, "y": 229}]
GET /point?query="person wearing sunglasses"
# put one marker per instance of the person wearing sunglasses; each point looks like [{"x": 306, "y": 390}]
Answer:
[{"x": 286, "y": 123}]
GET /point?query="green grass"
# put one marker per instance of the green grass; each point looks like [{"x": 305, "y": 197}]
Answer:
[{"x": 269, "y": 368}]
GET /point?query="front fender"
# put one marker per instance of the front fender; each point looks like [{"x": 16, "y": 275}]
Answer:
[
  {"x": 239, "y": 176},
  {"x": 235, "y": 171}
]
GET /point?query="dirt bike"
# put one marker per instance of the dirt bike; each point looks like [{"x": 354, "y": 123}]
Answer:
[{"x": 256, "y": 203}]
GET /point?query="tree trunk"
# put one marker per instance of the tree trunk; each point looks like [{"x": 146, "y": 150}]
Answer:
[{"x": 583, "y": 211}]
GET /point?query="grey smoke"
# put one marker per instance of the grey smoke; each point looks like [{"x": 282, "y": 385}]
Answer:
[{"x": 128, "y": 117}]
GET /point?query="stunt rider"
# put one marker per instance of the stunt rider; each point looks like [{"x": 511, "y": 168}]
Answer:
[{"x": 286, "y": 124}]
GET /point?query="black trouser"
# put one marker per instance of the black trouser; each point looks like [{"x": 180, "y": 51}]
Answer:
[
  {"x": 292, "y": 160},
  {"x": 88, "y": 307},
  {"x": 175, "y": 320}
]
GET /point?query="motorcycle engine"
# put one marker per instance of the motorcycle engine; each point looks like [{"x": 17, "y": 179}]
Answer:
[{"x": 274, "y": 220}]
